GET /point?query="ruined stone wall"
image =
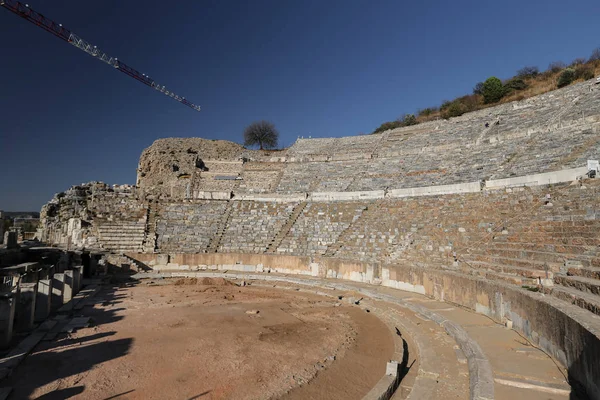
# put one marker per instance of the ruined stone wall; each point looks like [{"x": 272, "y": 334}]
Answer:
[
  {"x": 176, "y": 167},
  {"x": 94, "y": 215}
]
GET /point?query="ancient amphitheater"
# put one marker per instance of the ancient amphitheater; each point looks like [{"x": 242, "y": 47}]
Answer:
[{"x": 443, "y": 260}]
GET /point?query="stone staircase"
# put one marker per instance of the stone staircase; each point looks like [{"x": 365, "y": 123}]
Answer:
[
  {"x": 121, "y": 236},
  {"x": 345, "y": 235},
  {"x": 276, "y": 242},
  {"x": 149, "y": 245},
  {"x": 215, "y": 240}
]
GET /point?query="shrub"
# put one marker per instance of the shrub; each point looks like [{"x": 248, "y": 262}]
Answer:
[
  {"x": 492, "y": 90},
  {"x": 426, "y": 112},
  {"x": 455, "y": 109},
  {"x": 566, "y": 77},
  {"x": 584, "y": 72},
  {"x": 556, "y": 66},
  {"x": 408, "y": 120},
  {"x": 515, "y": 84},
  {"x": 577, "y": 61},
  {"x": 528, "y": 72},
  {"x": 387, "y": 125},
  {"x": 471, "y": 101}
]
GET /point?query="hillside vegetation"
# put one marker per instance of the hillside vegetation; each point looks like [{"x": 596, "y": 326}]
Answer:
[{"x": 527, "y": 82}]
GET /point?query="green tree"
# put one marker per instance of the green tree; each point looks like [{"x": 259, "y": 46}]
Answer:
[
  {"x": 492, "y": 90},
  {"x": 566, "y": 77},
  {"x": 261, "y": 133}
]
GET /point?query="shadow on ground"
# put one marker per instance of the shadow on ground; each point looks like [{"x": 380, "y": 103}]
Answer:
[{"x": 56, "y": 364}]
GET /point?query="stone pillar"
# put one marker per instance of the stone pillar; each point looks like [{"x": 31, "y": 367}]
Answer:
[
  {"x": 93, "y": 264},
  {"x": 77, "y": 277},
  {"x": 68, "y": 291},
  {"x": 7, "y": 315},
  {"x": 43, "y": 301},
  {"x": 26, "y": 306},
  {"x": 58, "y": 284},
  {"x": 10, "y": 239}
]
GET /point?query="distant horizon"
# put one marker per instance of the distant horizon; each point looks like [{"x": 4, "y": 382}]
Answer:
[{"x": 313, "y": 69}]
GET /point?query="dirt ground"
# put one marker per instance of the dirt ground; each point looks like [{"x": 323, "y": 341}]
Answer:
[{"x": 210, "y": 339}]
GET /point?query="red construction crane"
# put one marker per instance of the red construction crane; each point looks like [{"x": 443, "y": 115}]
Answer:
[{"x": 23, "y": 10}]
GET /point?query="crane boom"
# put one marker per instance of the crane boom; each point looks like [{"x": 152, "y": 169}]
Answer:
[{"x": 23, "y": 10}]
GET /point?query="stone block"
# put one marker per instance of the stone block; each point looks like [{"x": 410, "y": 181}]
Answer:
[
  {"x": 43, "y": 301},
  {"x": 162, "y": 259},
  {"x": 7, "y": 315},
  {"x": 10, "y": 239},
  {"x": 391, "y": 368},
  {"x": 68, "y": 291},
  {"x": 58, "y": 284},
  {"x": 77, "y": 277},
  {"x": 25, "y": 312}
]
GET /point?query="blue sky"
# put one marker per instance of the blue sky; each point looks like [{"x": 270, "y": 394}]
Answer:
[{"x": 321, "y": 68}]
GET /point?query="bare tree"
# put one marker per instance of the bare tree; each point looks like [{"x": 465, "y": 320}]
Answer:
[
  {"x": 527, "y": 72},
  {"x": 261, "y": 133},
  {"x": 556, "y": 66},
  {"x": 595, "y": 54}
]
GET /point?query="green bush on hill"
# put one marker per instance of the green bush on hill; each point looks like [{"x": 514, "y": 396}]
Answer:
[
  {"x": 566, "y": 77},
  {"x": 528, "y": 81},
  {"x": 492, "y": 90}
]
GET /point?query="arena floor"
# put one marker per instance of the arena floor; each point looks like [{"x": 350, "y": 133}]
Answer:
[{"x": 209, "y": 338}]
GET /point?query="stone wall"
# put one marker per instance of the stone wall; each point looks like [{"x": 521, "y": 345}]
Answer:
[{"x": 94, "y": 215}]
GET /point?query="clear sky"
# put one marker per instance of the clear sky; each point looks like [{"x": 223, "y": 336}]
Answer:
[{"x": 325, "y": 68}]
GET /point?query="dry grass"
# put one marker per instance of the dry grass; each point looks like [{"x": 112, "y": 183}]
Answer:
[{"x": 543, "y": 83}]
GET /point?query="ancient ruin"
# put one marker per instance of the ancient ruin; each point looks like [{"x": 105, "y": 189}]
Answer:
[{"x": 468, "y": 253}]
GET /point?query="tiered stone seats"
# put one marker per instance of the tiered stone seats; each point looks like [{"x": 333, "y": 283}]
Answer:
[
  {"x": 260, "y": 177},
  {"x": 253, "y": 225},
  {"x": 319, "y": 226},
  {"x": 121, "y": 236},
  {"x": 188, "y": 227},
  {"x": 554, "y": 131},
  {"x": 557, "y": 242}
]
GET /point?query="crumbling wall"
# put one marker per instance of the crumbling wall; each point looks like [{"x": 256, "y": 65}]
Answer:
[{"x": 72, "y": 218}]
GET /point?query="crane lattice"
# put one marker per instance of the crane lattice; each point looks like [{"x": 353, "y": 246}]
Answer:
[{"x": 23, "y": 10}]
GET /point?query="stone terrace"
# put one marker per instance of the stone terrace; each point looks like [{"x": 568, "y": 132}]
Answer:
[{"x": 550, "y": 132}]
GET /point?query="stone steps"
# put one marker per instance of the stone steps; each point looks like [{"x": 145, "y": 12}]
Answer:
[
  {"x": 215, "y": 240},
  {"x": 285, "y": 229},
  {"x": 507, "y": 277},
  {"x": 543, "y": 256},
  {"x": 512, "y": 270},
  {"x": 550, "y": 247},
  {"x": 583, "y": 284},
  {"x": 528, "y": 264},
  {"x": 554, "y": 240},
  {"x": 574, "y": 296},
  {"x": 586, "y": 272}
]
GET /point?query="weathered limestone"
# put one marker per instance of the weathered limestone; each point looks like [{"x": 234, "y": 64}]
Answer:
[
  {"x": 7, "y": 315},
  {"x": 58, "y": 287},
  {"x": 77, "y": 277},
  {"x": 43, "y": 301},
  {"x": 26, "y": 306},
  {"x": 68, "y": 287},
  {"x": 10, "y": 239}
]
